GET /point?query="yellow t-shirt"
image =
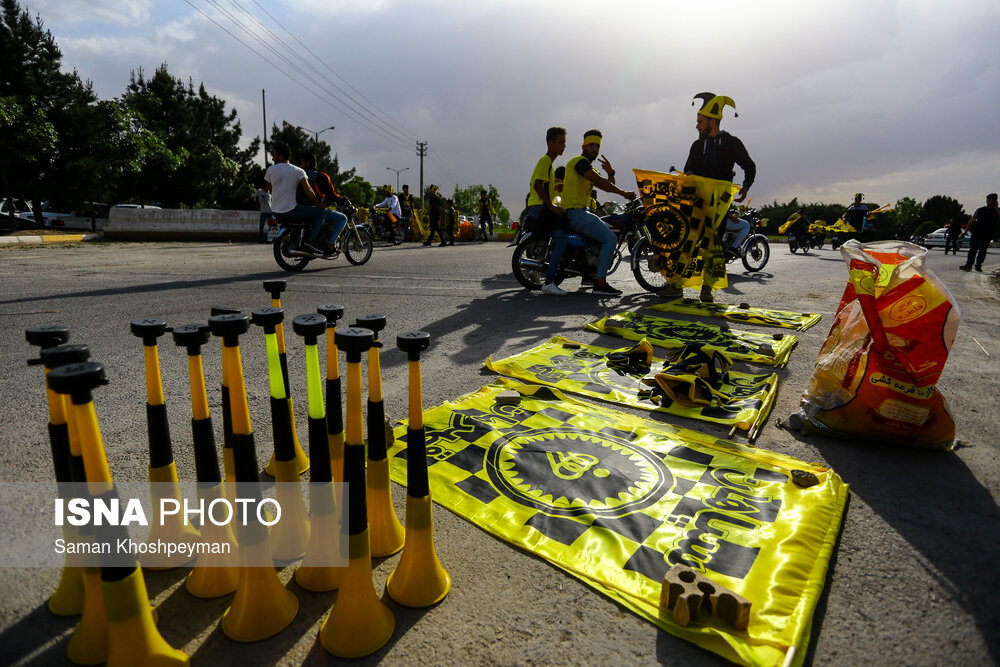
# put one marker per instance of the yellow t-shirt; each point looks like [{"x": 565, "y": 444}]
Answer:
[
  {"x": 543, "y": 171},
  {"x": 576, "y": 188}
]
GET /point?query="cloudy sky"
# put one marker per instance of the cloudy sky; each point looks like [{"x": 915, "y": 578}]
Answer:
[{"x": 891, "y": 98}]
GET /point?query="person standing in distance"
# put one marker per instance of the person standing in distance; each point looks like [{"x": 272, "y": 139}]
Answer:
[
  {"x": 263, "y": 199},
  {"x": 951, "y": 237},
  {"x": 581, "y": 177},
  {"x": 713, "y": 155},
  {"x": 405, "y": 208},
  {"x": 856, "y": 216},
  {"x": 486, "y": 214},
  {"x": 983, "y": 225}
]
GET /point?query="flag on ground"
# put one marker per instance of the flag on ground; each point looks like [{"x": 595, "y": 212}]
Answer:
[{"x": 741, "y": 313}]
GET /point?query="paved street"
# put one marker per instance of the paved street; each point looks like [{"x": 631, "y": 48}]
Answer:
[{"x": 913, "y": 579}]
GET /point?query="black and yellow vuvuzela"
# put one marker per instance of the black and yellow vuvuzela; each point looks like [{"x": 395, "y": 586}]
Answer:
[
  {"x": 275, "y": 288},
  {"x": 67, "y": 600},
  {"x": 88, "y": 644},
  {"x": 291, "y": 536},
  {"x": 334, "y": 401},
  {"x": 162, "y": 469},
  {"x": 228, "y": 472},
  {"x": 359, "y": 623},
  {"x": 386, "y": 531},
  {"x": 213, "y": 574},
  {"x": 262, "y": 606},
  {"x": 315, "y": 572},
  {"x": 132, "y": 637},
  {"x": 418, "y": 580}
]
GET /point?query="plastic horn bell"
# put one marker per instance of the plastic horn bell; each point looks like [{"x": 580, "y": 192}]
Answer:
[
  {"x": 162, "y": 469},
  {"x": 315, "y": 572},
  {"x": 132, "y": 637},
  {"x": 229, "y": 475},
  {"x": 290, "y": 537},
  {"x": 360, "y": 623},
  {"x": 386, "y": 532},
  {"x": 275, "y": 288},
  {"x": 89, "y": 643},
  {"x": 418, "y": 580},
  {"x": 214, "y": 574},
  {"x": 68, "y": 598},
  {"x": 334, "y": 400},
  {"x": 262, "y": 606}
]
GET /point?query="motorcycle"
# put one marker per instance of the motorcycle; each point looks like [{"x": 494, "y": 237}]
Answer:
[
  {"x": 754, "y": 251},
  {"x": 385, "y": 228},
  {"x": 533, "y": 249},
  {"x": 355, "y": 242}
]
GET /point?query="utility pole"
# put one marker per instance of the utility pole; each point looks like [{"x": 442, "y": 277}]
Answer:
[
  {"x": 421, "y": 153},
  {"x": 398, "y": 172},
  {"x": 263, "y": 106}
]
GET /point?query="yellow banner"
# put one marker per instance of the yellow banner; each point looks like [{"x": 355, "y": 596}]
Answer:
[
  {"x": 617, "y": 500},
  {"x": 420, "y": 226},
  {"x": 769, "y": 349},
  {"x": 683, "y": 216},
  {"x": 582, "y": 369},
  {"x": 741, "y": 313}
]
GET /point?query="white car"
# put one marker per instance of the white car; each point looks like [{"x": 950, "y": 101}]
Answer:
[{"x": 935, "y": 239}]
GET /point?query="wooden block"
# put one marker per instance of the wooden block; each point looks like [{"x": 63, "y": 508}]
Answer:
[
  {"x": 508, "y": 398},
  {"x": 687, "y": 593}
]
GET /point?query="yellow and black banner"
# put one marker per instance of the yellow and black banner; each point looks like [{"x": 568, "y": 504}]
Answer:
[
  {"x": 741, "y": 313},
  {"x": 768, "y": 349},
  {"x": 420, "y": 225},
  {"x": 583, "y": 370},
  {"x": 616, "y": 500},
  {"x": 684, "y": 216}
]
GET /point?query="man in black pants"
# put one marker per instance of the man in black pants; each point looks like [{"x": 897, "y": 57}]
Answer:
[
  {"x": 951, "y": 237},
  {"x": 983, "y": 225}
]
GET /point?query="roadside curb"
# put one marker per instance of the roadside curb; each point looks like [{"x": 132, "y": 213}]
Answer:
[{"x": 46, "y": 240}]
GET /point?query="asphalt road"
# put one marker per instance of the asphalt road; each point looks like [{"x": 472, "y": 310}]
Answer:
[{"x": 913, "y": 579}]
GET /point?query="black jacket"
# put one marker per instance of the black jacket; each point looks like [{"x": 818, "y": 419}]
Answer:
[{"x": 714, "y": 158}]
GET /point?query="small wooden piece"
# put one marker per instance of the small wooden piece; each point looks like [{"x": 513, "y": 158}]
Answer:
[
  {"x": 687, "y": 592},
  {"x": 508, "y": 398}
]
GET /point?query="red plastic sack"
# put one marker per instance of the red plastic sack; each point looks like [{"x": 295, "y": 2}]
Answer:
[{"x": 875, "y": 376}]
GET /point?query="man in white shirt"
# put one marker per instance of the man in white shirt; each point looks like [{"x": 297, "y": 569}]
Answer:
[{"x": 283, "y": 179}]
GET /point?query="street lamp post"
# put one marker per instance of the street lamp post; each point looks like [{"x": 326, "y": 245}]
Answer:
[
  {"x": 315, "y": 133},
  {"x": 398, "y": 172}
]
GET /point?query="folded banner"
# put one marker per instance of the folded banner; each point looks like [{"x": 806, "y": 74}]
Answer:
[
  {"x": 683, "y": 217},
  {"x": 769, "y": 349},
  {"x": 617, "y": 500},
  {"x": 741, "y": 313},
  {"x": 583, "y": 369},
  {"x": 420, "y": 225}
]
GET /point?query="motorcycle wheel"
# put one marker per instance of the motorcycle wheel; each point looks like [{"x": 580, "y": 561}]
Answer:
[
  {"x": 650, "y": 280},
  {"x": 529, "y": 262},
  {"x": 358, "y": 245},
  {"x": 399, "y": 235},
  {"x": 792, "y": 245},
  {"x": 282, "y": 253},
  {"x": 756, "y": 254}
]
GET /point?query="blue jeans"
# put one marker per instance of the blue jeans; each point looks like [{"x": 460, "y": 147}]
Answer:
[
  {"x": 339, "y": 221},
  {"x": 560, "y": 240},
  {"x": 742, "y": 229},
  {"x": 304, "y": 213},
  {"x": 584, "y": 222}
]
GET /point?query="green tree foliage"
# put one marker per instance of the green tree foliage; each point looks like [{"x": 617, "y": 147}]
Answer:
[
  {"x": 467, "y": 201},
  {"x": 942, "y": 208},
  {"x": 212, "y": 170},
  {"x": 38, "y": 100},
  {"x": 909, "y": 212}
]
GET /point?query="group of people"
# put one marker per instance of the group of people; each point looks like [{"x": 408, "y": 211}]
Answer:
[
  {"x": 713, "y": 155},
  {"x": 300, "y": 194}
]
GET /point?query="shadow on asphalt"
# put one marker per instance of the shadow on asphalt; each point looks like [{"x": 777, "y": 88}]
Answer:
[{"x": 934, "y": 502}]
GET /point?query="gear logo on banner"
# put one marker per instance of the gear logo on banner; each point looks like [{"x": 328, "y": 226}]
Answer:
[{"x": 566, "y": 472}]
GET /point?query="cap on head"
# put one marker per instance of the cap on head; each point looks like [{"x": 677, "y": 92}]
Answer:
[
  {"x": 858, "y": 196},
  {"x": 992, "y": 196},
  {"x": 713, "y": 105}
]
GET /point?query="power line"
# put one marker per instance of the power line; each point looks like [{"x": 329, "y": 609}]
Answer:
[{"x": 294, "y": 53}]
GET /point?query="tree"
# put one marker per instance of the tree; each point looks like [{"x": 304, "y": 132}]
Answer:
[
  {"x": 909, "y": 212},
  {"x": 467, "y": 201},
  {"x": 38, "y": 101},
  {"x": 196, "y": 128},
  {"x": 942, "y": 208}
]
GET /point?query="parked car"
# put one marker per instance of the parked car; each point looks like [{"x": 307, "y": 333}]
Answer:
[
  {"x": 935, "y": 239},
  {"x": 18, "y": 204}
]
